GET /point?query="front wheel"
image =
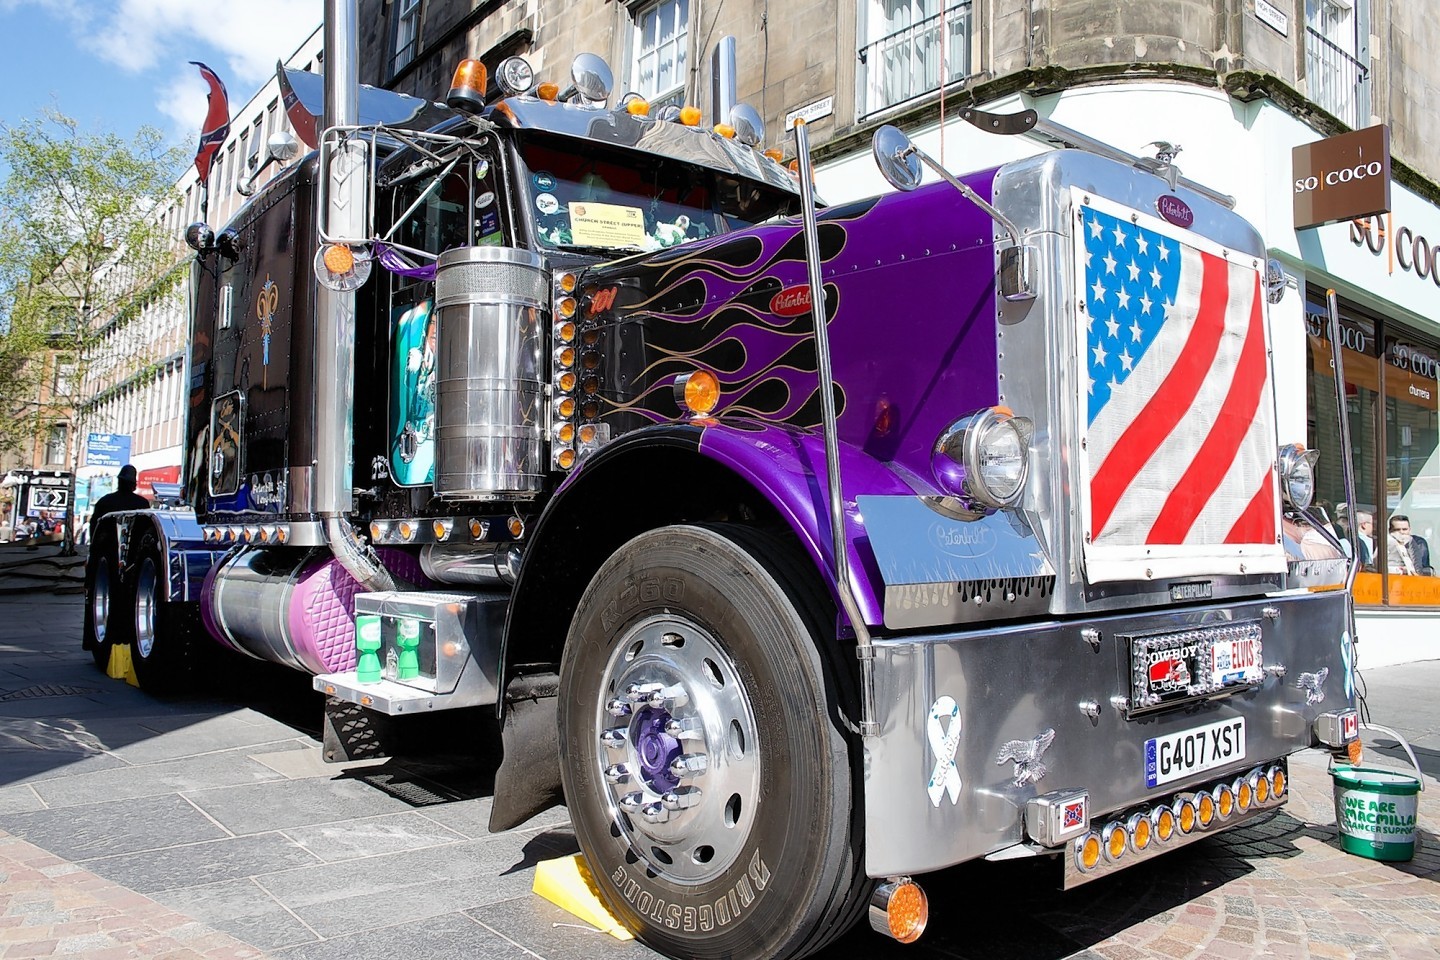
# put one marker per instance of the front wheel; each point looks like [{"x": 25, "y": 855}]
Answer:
[{"x": 708, "y": 771}]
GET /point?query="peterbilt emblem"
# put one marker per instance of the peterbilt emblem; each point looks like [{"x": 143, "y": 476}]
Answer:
[
  {"x": 1174, "y": 210},
  {"x": 791, "y": 302},
  {"x": 1026, "y": 755}
]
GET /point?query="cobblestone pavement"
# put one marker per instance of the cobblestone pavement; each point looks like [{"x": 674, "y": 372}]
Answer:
[{"x": 208, "y": 827}]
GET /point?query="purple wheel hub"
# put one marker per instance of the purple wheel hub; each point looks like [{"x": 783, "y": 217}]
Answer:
[{"x": 655, "y": 749}]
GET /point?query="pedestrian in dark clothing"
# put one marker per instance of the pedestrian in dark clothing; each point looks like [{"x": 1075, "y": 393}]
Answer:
[{"x": 124, "y": 498}]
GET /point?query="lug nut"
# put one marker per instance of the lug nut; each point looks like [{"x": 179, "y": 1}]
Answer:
[
  {"x": 654, "y": 813},
  {"x": 614, "y": 738},
  {"x": 688, "y": 728},
  {"x": 641, "y": 693},
  {"x": 617, "y": 773},
  {"x": 689, "y": 765},
  {"x": 681, "y": 798},
  {"x": 631, "y": 802},
  {"x": 617, "y": 708}
]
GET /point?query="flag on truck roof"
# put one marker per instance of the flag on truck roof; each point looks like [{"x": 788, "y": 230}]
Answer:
[
  {"x": 217, "y": 122},
  {"x": 1176, "y": 403}
]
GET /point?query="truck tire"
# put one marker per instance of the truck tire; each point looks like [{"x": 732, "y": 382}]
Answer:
[
  {"x": 103, "y": 625},
  {"x": 161, "y": 629},
  {"x": 707, "y": 767}
]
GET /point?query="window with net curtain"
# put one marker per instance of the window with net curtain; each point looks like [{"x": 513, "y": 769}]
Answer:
[
  {"x": 659, "y": 52},
  {"x": 908, "y": 48},
  {"x": 407, "y": 33}
]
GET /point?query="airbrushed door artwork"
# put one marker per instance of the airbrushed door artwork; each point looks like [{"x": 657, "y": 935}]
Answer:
[
  {"x": 1176, "y": 402},
  {"x": 412, "y": 396}
]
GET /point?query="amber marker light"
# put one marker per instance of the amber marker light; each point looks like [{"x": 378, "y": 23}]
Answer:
[
  {"x": 566, "y": 433},
  {"x": 1139, "y": 830},
  {"x": 1185, "y": 815},
  {"x": 566, "y": 332},
  {"x": 899, "y": 909},
  {"x": 517, "y": 527},
  {"x": 1277, "y": 784},
  {"x": 339, "y": 258},
  {"x": 1087, "y": 852},
  {"x": 1205, "y": 809},
  {"x": 567, "y": 382},
  {"x": 777, "y": 155},
  {"x": 467, "y": 88},
  {"x": 566, "y": 459},
  {"x": 1244, "y": 796},
  {"x": 1164, "y": 824},
  {"x": 637, "y": 107},
  {"x": 478, "y": 529},
  {"x": 690, "y": 116},
  {"x": 566, "y": 307},
  {"x": 567, "y": 407},
  {"x": 1224, "y": 801},
  {"x": 567, "y": 282},
  {"x": 1262, "y": 789},
  {"x": 698, "y": 392},
  {"x": 548, "y": 91},
  {"x": 1115, "y": 841},
  {"x": 588, "y": 433},
  {"x": 724, "y": 130}
]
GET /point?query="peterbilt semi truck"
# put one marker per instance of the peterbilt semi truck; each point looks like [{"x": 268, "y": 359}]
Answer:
[{"x": 802, "y": 552}]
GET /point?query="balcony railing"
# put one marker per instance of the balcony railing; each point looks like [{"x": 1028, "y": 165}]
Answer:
[
  {"x": 1336, "y": 80},
  {"x": 909, "y": 62}
]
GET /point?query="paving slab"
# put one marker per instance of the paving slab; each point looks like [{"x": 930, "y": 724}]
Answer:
[
  {"x": 278, "y": 803},
  {"x": 373, "y": 836},
  {"x": 143, "y": 780},
  {"x": 242, "y": 909},
  {"x": 453, "y": 937},
  {"x": 197, "y": 864},
  {"x": 113, "y": 828}
]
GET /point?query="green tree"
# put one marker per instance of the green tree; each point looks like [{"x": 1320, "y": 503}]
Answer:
[{"x": 83, "y": 249}]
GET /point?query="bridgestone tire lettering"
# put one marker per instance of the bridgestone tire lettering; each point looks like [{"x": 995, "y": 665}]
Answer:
[{"x": 796, "y": 881}]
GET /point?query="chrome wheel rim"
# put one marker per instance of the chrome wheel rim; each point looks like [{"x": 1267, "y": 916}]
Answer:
[
  {"x": 679, "y": 752},
  {"x": 146, "y": 583},
  {"x": 100, "y": 602}
]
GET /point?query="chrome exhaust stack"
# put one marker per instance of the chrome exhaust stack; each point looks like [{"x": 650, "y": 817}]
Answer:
[{"x": 343, "y": 205}]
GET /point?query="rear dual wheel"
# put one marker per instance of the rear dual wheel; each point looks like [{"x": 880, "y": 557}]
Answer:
[
  {"x": 102, "y": 627},
  {"x": 709, "y": 774},
  {"x": 162, "y": 630}
]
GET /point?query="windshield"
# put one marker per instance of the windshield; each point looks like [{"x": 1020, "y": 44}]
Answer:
[{"x": 637, "y": 202}]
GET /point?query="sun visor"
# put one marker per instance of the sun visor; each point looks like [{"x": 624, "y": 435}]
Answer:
[{"x": 304, "y": 96}]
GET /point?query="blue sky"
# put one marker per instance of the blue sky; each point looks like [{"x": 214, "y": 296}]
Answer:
[{"x": 116, "y": 65}]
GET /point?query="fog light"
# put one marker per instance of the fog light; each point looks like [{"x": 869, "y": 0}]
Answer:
[{"x": 899, "y": 909}]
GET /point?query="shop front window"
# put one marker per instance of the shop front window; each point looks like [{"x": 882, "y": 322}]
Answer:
[{"x": 1390, "y": 400}]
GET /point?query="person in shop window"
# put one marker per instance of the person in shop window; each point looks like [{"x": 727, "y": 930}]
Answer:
[{"x": 1415, "y": 548}]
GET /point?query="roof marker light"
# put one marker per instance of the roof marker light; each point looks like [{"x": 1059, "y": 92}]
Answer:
[{"x": 467, "y": 89}]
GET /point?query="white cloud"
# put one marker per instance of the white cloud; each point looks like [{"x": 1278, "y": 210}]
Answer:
[{"x": 240, "y": 40}]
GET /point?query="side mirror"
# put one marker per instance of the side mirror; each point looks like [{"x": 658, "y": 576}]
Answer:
[
  {"x": 590, "y": 77},
  {"x": 896, "y": 157},
  {"x": 200, "y": 238},
  {"x": 748, "y": 124},
  {"x": 282, "y": 147}
]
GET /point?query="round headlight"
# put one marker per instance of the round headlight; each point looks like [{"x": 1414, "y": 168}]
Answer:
[
  {"x": 1297, "y": 474},
  {"x": 515, "y": 76},
  {"x": 984, "y": 458}
]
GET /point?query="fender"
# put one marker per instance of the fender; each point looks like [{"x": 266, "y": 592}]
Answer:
[{"x": 188, "y": 558}]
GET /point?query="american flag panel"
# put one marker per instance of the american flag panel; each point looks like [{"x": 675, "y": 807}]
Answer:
[{"x": 1178, "y": 415}]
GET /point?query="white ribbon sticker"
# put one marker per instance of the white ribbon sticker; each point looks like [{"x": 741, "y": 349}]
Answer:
[{"x": 944, "y": 742}]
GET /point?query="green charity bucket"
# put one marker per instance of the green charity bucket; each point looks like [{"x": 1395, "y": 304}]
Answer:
[{"x": 1376, "y": 811}]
